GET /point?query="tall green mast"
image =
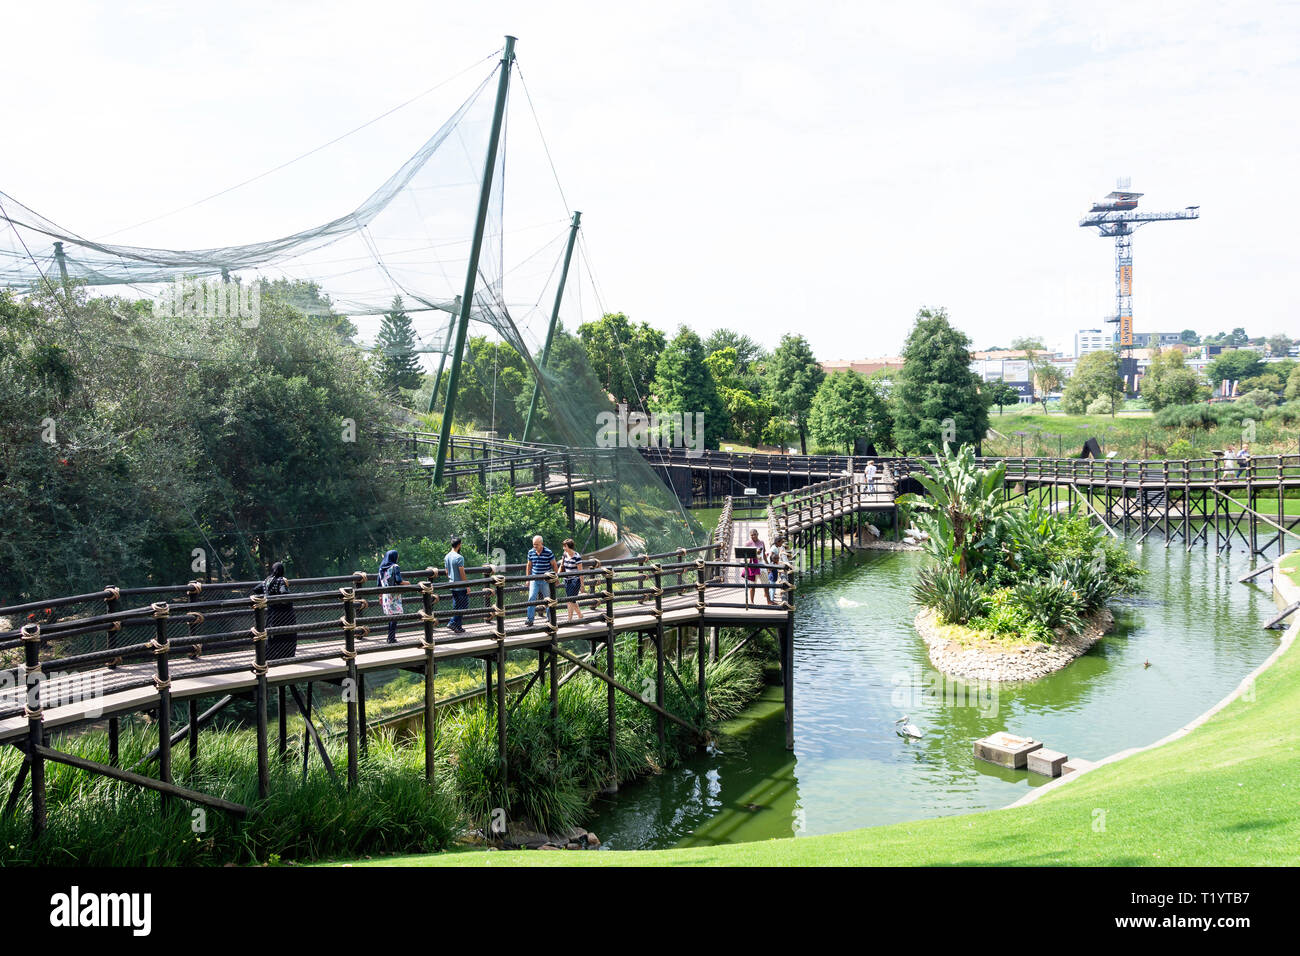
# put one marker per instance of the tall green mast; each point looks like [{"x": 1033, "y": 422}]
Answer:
[
  {"x": 480, "y": 224},
  {"x": 555, "y": 316}
]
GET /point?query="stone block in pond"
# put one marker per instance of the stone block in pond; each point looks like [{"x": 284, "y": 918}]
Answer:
[
  {"x": 1006, "y": 750},
  {"x": 1076, "y": 764},
  {"x": 1046, "y": 762}
]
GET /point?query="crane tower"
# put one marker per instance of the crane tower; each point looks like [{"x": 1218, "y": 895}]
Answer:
[{"x": 1117, "y": 215}]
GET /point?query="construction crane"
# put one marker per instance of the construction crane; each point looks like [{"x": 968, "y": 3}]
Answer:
[{"x": 1117, "y": 216}]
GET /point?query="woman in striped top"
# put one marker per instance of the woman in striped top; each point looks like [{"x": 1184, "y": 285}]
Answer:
[{"x": 570, "y": 563}]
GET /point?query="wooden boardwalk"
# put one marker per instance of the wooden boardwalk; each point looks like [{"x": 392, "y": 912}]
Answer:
[{"x": 101, "y": 656}]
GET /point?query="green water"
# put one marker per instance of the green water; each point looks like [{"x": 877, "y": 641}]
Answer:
[{"x": 859, "y": 666}]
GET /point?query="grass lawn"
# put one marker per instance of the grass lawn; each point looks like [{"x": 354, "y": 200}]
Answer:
[
  {"x": 1290, "y": 566},
  {"x": 1227, "y": 794}
]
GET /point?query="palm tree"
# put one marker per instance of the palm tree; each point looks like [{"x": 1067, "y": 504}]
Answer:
[{"x": 963, "y": 508}]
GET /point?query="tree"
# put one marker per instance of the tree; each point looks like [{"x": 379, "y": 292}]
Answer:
[
  {"x": 1279, "y": 345},
  {"x": 936, "y": 396},
  {"x": 1047, "y": 379},
  {"x": 1096, "y": 376},
  {"x": 999, "y": 393},
  {"x": 623, "y": 356},
  {"x": 397, "y": 364},
  {"x": 1168, "y": 380},
  {"x": 1189, "y": 337},
  {"x": 683, "y": 385},
  {"x": 849, "y": 405},
  {"x": 1293, "y": 384},
  {"x": 308, "y": 299},
  {"x": 1233, "y": 366},
  {"x": 1238, "y": 338},
  {"x": 747, "y": 410},
  {"x": 749, "y": 353},
  {"x": 792, "y": 379}
]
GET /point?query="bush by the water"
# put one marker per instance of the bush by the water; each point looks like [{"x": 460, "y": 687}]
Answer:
[{"x": 1010, "y": 567}]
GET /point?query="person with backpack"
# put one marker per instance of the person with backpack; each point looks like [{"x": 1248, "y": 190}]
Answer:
[
  {"x": 279, "y": 614},
  {"x": 390, "y": 575}
]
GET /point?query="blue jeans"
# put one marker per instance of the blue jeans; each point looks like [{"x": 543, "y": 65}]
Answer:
[
  {"x": 536, "y": 590},
  {"x": 459, "y": 602}
]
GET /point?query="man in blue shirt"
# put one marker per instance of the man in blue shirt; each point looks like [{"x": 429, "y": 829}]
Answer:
[
  {"x": 540, "y": 561},
  {"x": 454, "y": 562}
]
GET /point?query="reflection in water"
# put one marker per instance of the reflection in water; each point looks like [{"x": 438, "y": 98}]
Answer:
[{"x": 859, "y": 666}]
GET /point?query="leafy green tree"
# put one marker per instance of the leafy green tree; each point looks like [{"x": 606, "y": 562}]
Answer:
[
  {"x": 682, "y": 384},
  {"x": 1234, "y": 365},
  {"x": 792, "y": 378},
  {"x": 1293, "y": 384},
  {"x": 623, "y": 356},
  {"x": 848, "y": 406},
  {"x": 747, "y": 409},
  {"x": 1189, "y": 337},
  {"x": 936, "y": 395},
  {"x": 999, "y": 393},
  {"x": 1096, "y": 376},
  {"x": 310, "y": 300},
  {"x": 397, "y": 363},
  {"x": 1168, "y": 380},
  {"x": 507, "y": 520},
  {"x": 1280, "y": 344},
  {"x": 750, "y": 356},
  {"x": 495, "y": 386}
]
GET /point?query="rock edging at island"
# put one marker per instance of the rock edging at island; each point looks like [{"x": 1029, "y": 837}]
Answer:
[{"x": 988, "y": 660}]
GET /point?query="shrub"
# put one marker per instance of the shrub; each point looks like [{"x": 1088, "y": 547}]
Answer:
[
  {"x": 1052, "y": 602},
  {"x": 956, "y": 598}
]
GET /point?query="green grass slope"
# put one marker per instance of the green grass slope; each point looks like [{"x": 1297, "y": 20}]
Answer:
[{"x": 1226, "y": 794}]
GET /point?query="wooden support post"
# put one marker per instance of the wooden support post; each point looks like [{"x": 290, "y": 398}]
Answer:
[
  {"x": 259, "y": 669},
  {"x": 499, "y": 594},
  {"x": 194, "y": 734},
  {"x": 114, "y": 740},
  {"x": 553, "y": 580},
  {"x": 282, "y": 718},
  {"x": 31, "y": 635},
  {"x": 363, "y": 725},
  {"x": 162, "y": 681},
  {"x": 610, "y": 714},
  {"x": 350, "y": 693},
  {"x": 659, "y": 653},
  {"x": 713, "y": 645},
  {"x": 430, "y": 673},
  {"x": 786, "y": 637},
  {"x": 306, "y": 726},
  {"x": 702, "y": 685}
]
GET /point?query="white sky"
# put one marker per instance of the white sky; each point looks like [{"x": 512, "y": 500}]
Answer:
[{"x": 826, "y": 168}]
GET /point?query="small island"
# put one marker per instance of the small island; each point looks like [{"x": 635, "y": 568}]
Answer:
[{"x": 1018, "y": 588}]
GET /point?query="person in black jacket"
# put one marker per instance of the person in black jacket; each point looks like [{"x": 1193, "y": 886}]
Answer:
[{"x": 278, "y": 614}]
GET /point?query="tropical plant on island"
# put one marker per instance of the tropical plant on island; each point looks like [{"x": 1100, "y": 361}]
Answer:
[{"x": 1012, "y": 568}]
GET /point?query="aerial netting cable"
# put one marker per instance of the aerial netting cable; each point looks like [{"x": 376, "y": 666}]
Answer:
[{"x": 409, "y": 238}]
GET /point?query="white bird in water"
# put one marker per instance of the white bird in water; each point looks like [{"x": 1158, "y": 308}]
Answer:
[
  {"x": 906, "y": 728},
  {"x": 845, "y": 602}
]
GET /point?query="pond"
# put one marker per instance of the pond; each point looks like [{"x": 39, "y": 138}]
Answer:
[{"x": 1178, "y": 648}]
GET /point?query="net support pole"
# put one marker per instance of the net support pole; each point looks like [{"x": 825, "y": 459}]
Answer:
[
  {"x": 555, "y": 317},
  {"x": 442, "y": 360},
  {"x": 471, "y": 274}
]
